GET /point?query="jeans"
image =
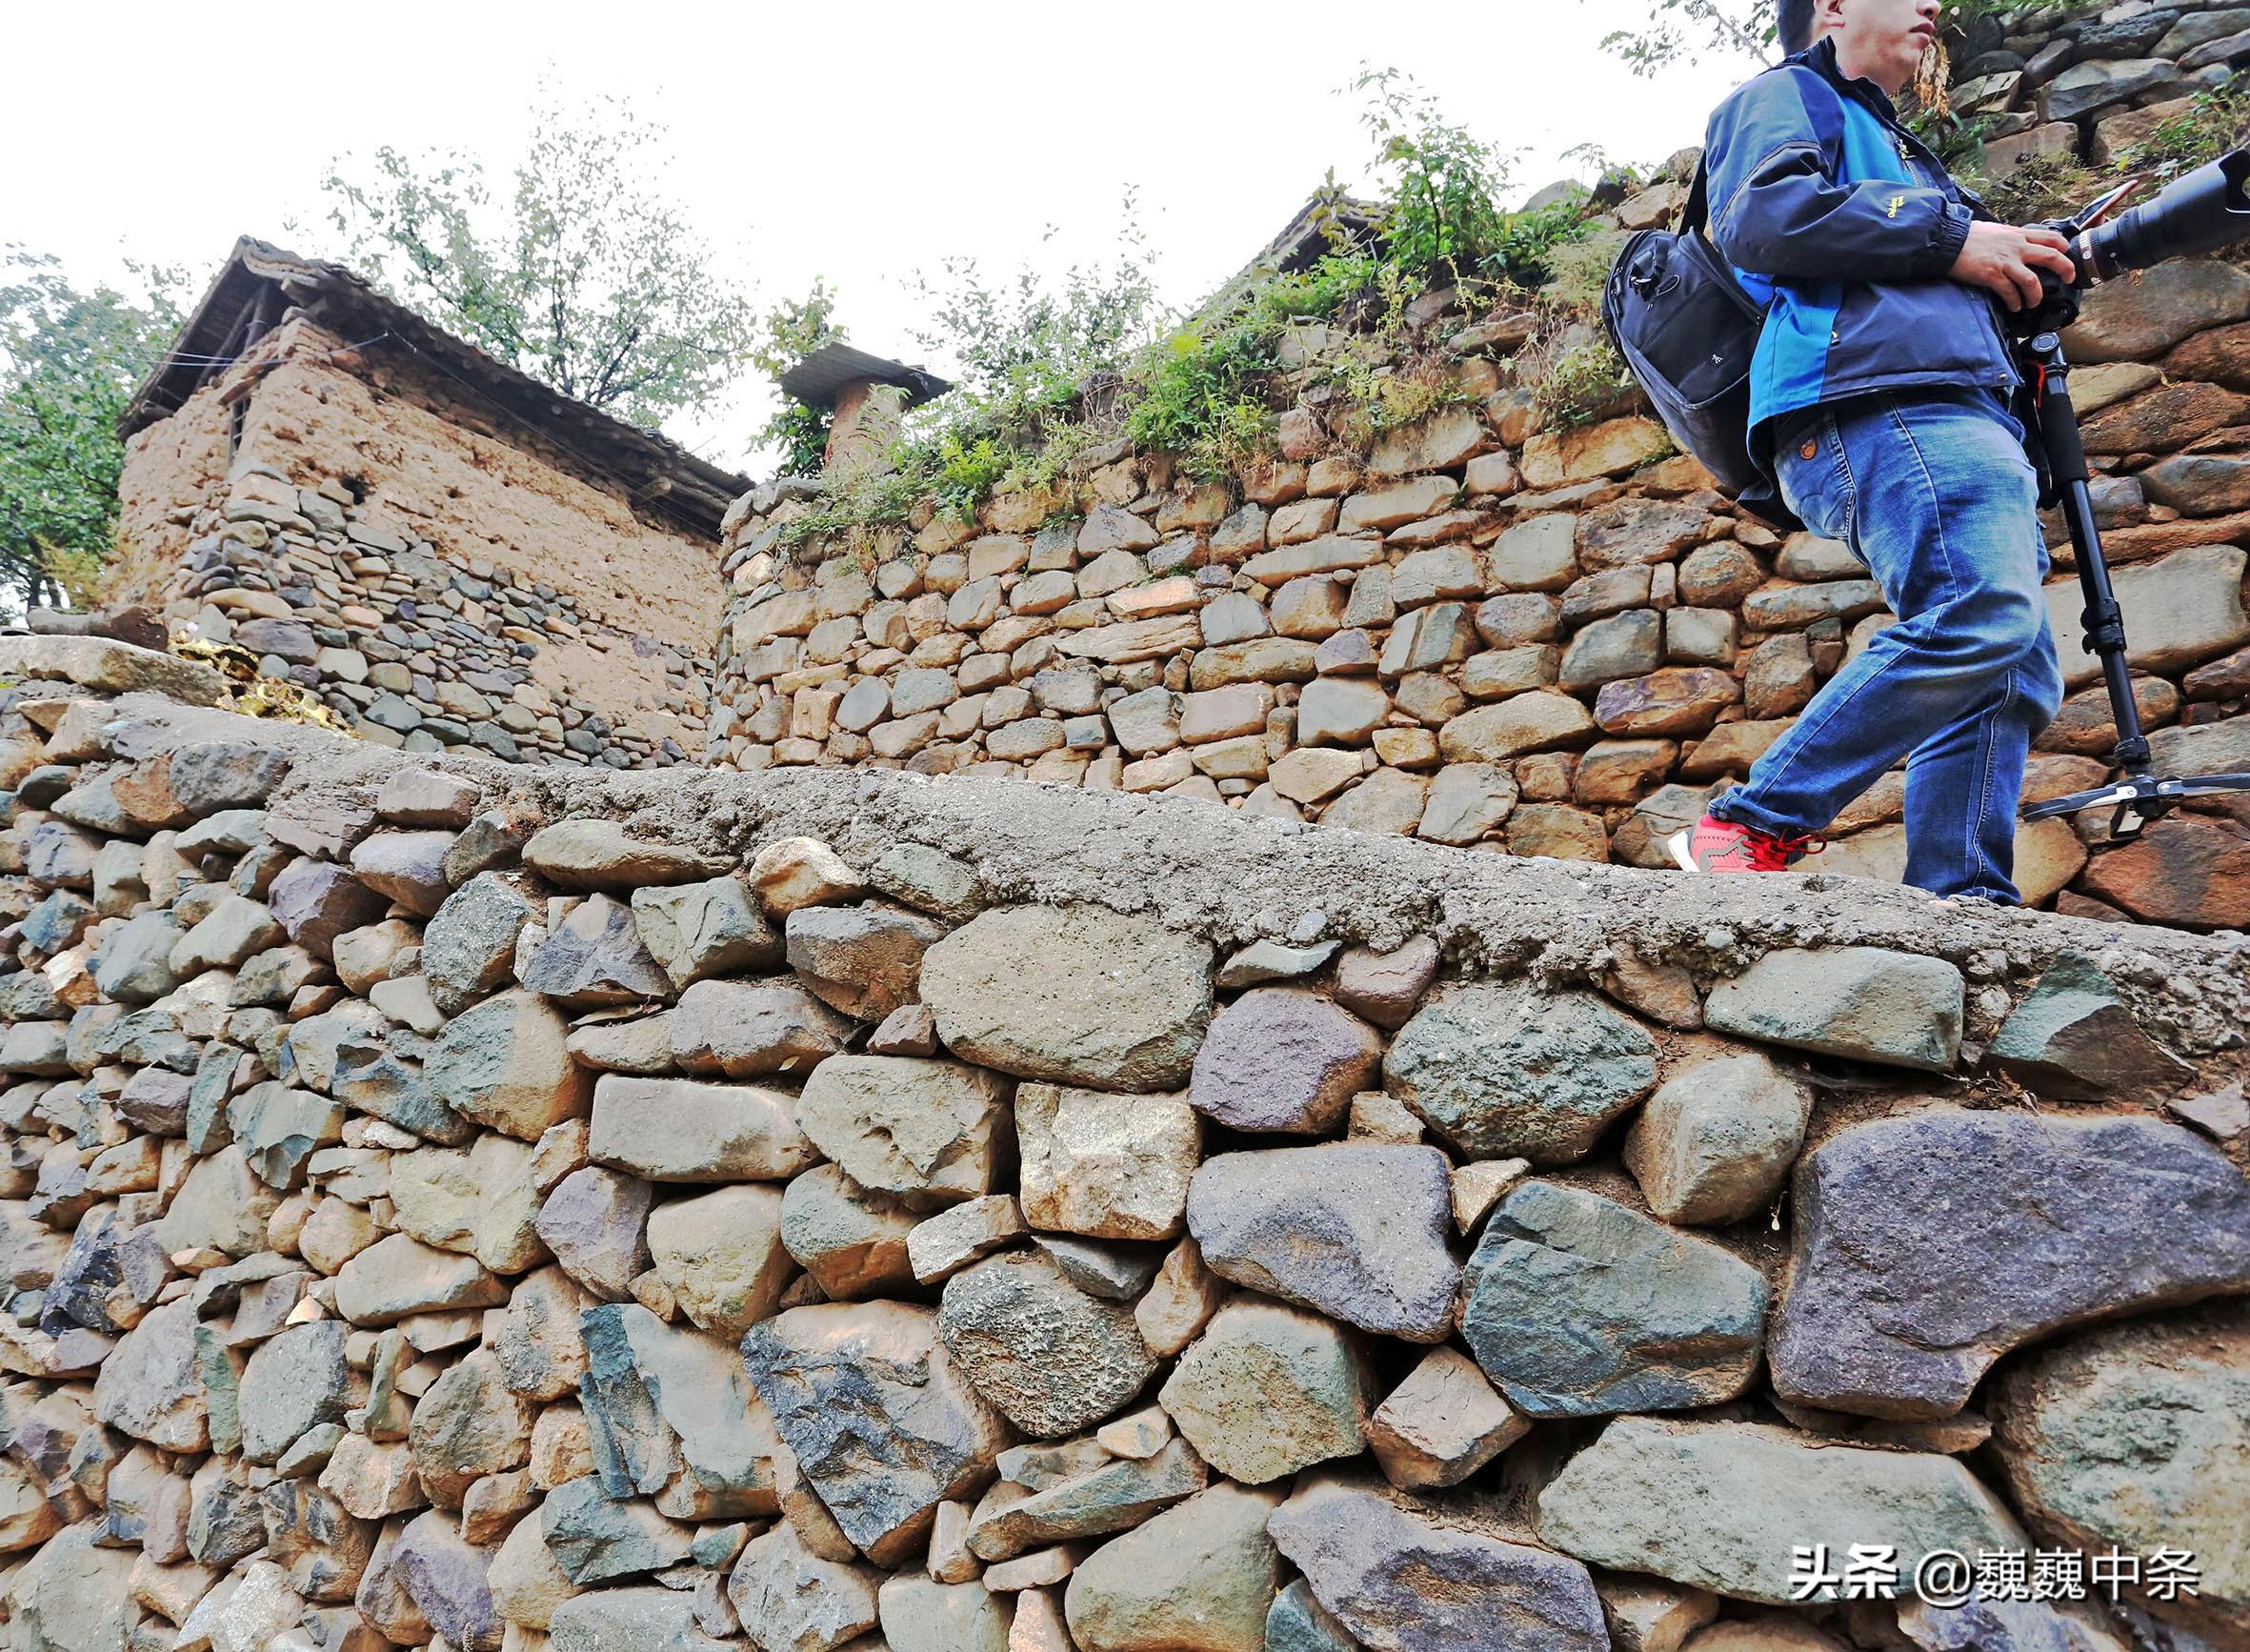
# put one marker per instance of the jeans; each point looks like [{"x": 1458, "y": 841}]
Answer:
[{"x": 1933, "y": 492}]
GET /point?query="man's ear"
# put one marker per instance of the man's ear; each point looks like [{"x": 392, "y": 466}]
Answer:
[{"x": 1828, "y": 16}]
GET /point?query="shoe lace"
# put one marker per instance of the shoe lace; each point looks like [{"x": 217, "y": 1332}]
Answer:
[{"x": 1769, "y": 852}]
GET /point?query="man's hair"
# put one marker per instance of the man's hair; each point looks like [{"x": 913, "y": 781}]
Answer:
[{"x": 1796, "y": 21}]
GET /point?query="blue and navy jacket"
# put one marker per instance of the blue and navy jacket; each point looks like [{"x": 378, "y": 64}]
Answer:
[{"x": 1846, "y": 223}]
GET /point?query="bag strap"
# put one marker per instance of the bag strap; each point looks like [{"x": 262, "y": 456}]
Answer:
[{"x": 1696, "y": 213}]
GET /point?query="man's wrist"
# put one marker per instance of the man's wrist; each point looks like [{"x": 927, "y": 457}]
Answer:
[{"x": 1953, "y": 234}]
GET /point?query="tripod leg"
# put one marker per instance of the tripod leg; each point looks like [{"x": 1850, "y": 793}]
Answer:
[{"x": 2104, "y": 619}]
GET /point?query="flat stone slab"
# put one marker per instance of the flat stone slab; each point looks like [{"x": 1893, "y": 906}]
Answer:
[
  {"x": 2046, "y": 1222},
  {"x": 1719, "y": 1505},
  {"x": 1863, "y": 1002},
  {"x": 97, "y": 662}
]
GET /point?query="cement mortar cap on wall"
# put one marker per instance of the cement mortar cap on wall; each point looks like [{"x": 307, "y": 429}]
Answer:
[{"x": 1239, "y": 879}]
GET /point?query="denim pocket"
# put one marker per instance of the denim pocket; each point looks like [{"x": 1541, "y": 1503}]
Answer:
[{"x": 1809, "y": 464}]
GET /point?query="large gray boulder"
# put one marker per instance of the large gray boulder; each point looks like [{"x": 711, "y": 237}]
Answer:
[
  {"x": 1353, "y": 1230},
  {"x": 680, "y": 1130},
  {"x": 149, "y": 1387},
  {"x": 1371, "y": 1557},
  {"x": 294, "y": 1382},
  {"x": 1928, "y": 1245},
  {"x": 1578, "y": 1306},
  {"x": 1719, "y": 1505},
  {"x": 1506, "y": 1071},
  {"x": 1112, "y": 1495},
  {"x": 1077, "y": 995},
  {"x": 2136, "y": 1436},
  {"x": 880, "y": 1419}
]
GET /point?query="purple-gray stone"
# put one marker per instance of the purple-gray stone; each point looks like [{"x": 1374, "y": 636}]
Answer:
[
  {"x": 1413, "y": 1576},
  {"x": 1283, "y": 1059},
  {"x": 1928, "y": 1245}
]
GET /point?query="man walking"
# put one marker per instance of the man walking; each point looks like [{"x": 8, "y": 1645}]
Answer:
[{"x": 1879, "y": 398}]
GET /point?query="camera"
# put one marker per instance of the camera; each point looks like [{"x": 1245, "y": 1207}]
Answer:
[{"x": 2200, "y": 211}]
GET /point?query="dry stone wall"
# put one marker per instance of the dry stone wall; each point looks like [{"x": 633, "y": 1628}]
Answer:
[
  {"x": 441, "y": 586},
  {"x": 479, "y": 1206},
  {"x": 1553, "y": 642}
]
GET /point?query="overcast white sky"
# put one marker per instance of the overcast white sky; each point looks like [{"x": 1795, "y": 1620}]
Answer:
[{"x": 854, "y": 141}]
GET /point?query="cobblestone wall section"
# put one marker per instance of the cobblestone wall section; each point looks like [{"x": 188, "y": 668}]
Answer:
[
  {"x": 1551, "y": 642},
  {"x": 479, "y": 1207}
]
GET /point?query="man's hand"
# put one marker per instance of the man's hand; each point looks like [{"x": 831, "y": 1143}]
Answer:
[{"x": 2006, "y": 261}]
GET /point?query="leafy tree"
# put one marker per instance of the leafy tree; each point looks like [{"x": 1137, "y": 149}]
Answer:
[
  {"x": 1442, "y": 181},
  {"x": 1680, "y": 30},
  {"x": 583, "y": 274},
  {"x": 1026, "y": 351},
  {"x": 787, "y": 333},
  {"x": 69, "y": 363}
]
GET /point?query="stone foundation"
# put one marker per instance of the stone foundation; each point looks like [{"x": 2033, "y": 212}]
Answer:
[{"x": 484, "y": 1206}]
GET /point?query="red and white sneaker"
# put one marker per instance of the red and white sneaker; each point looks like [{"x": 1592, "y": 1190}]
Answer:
[{"x": 1718, "y": 846}]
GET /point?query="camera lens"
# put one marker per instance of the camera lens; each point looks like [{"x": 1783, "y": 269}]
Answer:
[{"x": 2205, "y": 210}]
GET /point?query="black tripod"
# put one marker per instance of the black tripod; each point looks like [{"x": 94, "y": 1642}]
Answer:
[{"x": 2141, "y": 795}]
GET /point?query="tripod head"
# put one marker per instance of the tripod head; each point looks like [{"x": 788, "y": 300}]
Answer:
[{"x": 2207, "y": 209}]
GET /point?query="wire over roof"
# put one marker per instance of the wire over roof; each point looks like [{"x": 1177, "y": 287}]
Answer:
[{"x": 259, "y": 279}]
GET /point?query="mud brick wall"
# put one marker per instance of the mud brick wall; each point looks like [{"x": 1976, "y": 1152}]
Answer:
[
  {"x": 446, "y": 582},
  {"x": 471, "y": 1205},
  {"x": 1550, "y": 642}
]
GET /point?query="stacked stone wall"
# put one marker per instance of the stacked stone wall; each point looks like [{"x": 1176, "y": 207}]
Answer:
[
  {"x": 442, "y": 580},
  {"x": 480, "y": 1206},
  {"x": 1550, "y": 642}
]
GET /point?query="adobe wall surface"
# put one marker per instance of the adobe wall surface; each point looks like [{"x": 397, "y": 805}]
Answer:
[
  {"x": 475, "y": 1205},
  {"x": 440, "y": 584},
  {"x": 1547, "y": 641}
]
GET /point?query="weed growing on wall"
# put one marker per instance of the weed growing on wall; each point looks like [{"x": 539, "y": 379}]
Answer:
[
  {"x": 1049, "y": 373},
  {"x": 2057, "y": 186}
]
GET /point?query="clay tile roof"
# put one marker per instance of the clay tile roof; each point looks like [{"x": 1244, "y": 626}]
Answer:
[{"x": 659, "y": 476}]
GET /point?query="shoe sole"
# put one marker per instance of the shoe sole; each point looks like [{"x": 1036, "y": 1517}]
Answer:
[{"x": 1681, "y": 854}]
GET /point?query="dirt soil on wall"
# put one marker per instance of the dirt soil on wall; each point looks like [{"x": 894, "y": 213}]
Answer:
[{"x": 479, "y": 499}]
